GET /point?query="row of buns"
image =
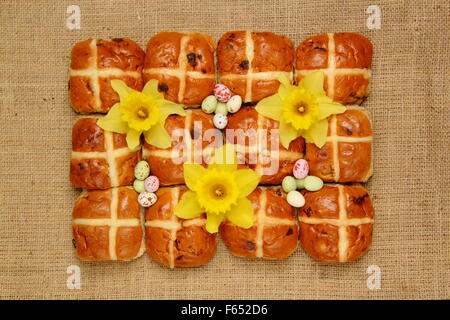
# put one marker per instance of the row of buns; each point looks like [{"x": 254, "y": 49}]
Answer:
[
  {"x": 335, "y": 226},
  {"x": 101, "y": 159},
  {"x": 249, "y": 63}
]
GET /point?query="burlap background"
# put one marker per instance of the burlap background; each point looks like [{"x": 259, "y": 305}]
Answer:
[{"x": 409, "y": 107}]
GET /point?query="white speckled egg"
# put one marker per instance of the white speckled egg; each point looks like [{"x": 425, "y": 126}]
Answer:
[
  {"x": 220, "y": 120},
  {"x": 147, "y": 199},
  {"x": 295, "y": 199},
  {"x": 151, "y": 184},
  {"x": 234, "y": 104},
  {"x": 138, "y": 185},
  {"x": 209, "y": 104},
  {"x": 301, "y": 168},
  {"x": 142, "y": 170}
]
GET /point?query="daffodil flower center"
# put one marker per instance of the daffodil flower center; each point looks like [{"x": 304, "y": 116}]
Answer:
[
  {"x": 219, "y": 191},
  {"x": 142, "y": 113},
  {"x": 139, "y": 111},
  {"x": 301, "y": 107}
]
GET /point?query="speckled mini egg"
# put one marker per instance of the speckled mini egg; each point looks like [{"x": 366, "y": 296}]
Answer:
[
  {"x": 209, "y": 104},
  {"x": 289, "y": 184},
  {"x": 147, "y": 199},
  {"x": 313, "y": 183},
  {"x": 222, "y": 93},
  {"x": 295, "y": 199},
  {"x": 138, "y": 185},
  {"x": 221, "y": 108},
  {"x": 151, "y": 184},
  {"x": 301, "y": 169},
  {"x": 220, "y": 120},
  {"x": 142, "y": 170},
  {"x": 234, "y": 104}
]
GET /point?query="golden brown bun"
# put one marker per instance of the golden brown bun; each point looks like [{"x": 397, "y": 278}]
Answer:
[
  {"x": 176, "y": 242},
  {"x": 247, "y": 121},
  {"x": 352, "y": 57},
  {"x": 183, "y": 64},
  {"x": 274, "y": 234},
  {"x": 336, "y": 223},
  {"x": 90, "y": 161},
  {"x": 271, "y": 55},
  {"x": 99, "y": 215},
  {"x": 117, "y": 59},
  {"x": 349, "y": 159},
  {"x": 185, "y": 131}
]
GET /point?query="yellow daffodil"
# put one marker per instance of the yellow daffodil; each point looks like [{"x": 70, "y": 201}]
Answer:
[
  {"x": 140, "y": 112},
  {"x": 220, "y": 191},
  {"x": 301, "y": 110}
]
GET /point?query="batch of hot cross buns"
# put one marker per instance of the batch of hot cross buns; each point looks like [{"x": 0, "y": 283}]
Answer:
[{"x": 145, "y": 113}]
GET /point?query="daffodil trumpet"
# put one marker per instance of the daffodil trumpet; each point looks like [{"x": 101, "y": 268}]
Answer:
[
  {"x": 301, "y": 110},
  {"x": 140, "y": 113},
  {"x": 220, "y": 191}
]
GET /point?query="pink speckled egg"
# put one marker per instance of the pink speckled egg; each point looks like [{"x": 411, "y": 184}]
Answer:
[
  {"x": 151, "y": 184},
  {"x": 147, "y": 199},
  {"x": 222, "y": 93},
  {"x": 301, "y": 169}
]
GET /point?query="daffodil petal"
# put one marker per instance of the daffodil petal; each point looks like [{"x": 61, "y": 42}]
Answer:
[
  {"x": 313, "y": 82},
  {"x": 284, "y": 79},
  {"x": 188, "y": 207},
  {"x": 158, "y": 136},
  {"x": 305, "y": 135},
  {"x": 241, "y": 214},
  {"x": 133, "y": 139},
  {"x": 271, "y": 107},
  {"x": 112, "y": 121},
  {"x": 167, "y": 108},
  {"x": 213, "y": 222},
  {"x": 328, "y": 109},
  {"x": 192, "y": 173},
  {"x": 121, "y": 88},
  {"x": 318, "y": 132},
  {"x": 247, "y": 180},
  {"x": 224, "y": 158},
  {"x": 151, "y": 89},
  {"x": 287, "y": 134}
]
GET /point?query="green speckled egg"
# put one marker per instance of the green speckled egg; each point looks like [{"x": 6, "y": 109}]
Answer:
[
  {"x": 221, "y": 108},
  {"x": 138, "y": 185},
  {"x": 142, "y": 170},
  {"x": 209, "y": 104}
]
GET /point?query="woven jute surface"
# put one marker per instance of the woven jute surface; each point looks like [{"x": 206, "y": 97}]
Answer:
[{"x": 409, "y": 105}]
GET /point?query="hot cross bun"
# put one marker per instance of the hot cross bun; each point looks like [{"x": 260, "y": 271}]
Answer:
[
  {"x": 176, "y": 242},
  {"x": 183, "y": 64},
  {"x": 249, "y": 63},
  {"x": 194, "y": 138},
  {"x": 336, "y": 223},
  {"x": 100, "y": 159},
  {"x": 345, "y": 58},
  {"x": 95, "y": 62},
  {"x": 259, "y": 148},
  {"x": 347, "y": 153},
  {"x": 107, "y": 225},
  {"x": 274, "y": 234}
]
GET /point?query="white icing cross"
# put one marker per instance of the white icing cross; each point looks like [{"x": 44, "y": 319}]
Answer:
[
  {"x": 114, "y": 223},
  {"x": 342, "y": 223},
  {"x": 250, "y": 76}
]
